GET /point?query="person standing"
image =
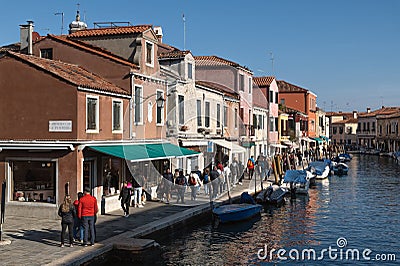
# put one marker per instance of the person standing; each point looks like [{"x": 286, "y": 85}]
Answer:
[
  {"x": 77, "y": 222},
  {"x": 138, "y": 181},
  {"x": 168, "y": 181},
  {"x": 241, "y": 172},
  {"x": 206, "y": 181},
  {"x": 87, "y": 210},
  {"x": 234, "y": 172},
  {"x": 125, "y": 197},
  {"x": 214, "y": 182},
  {"x": 67, "y": 213},
  {"x": 250, "y": 166},
  {"x": 181, "y": 183}
]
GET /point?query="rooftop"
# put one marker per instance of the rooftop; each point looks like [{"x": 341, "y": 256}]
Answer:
[
  {"x": 70, "y": 73},
  {"x": 263, "y": 81},
  {"x": 110, "y": 31},
  {"x": 212, "y": 60}
]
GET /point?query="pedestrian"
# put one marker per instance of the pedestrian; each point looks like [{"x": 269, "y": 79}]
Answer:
[
  {"x": 67, "y": 213},
  {"x": 193, "y": 186},
  {"x": 181, "y": 183},
  {"x": 250, "y": 166},
  {"x": 78, "y": 226},
  {"x": 168, "y": 181},
  {"x": 214, "y": 182},
  {"x": 206, "y": 181},
  {"x": 87, "y": 210},
  {"x": 137, "y": 184},
  {"x": 234, "y": 171},
  {"x": 241, "y": 172},
  {"x": 125, "y": 198}
]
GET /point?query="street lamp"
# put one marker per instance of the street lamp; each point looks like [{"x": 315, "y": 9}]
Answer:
[{"x": 160, "y": 102}]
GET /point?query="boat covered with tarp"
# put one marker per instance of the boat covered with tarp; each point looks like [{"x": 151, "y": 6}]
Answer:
[
  {"x": 297, "y": 181},
  {"x": 320, "y": 169}
]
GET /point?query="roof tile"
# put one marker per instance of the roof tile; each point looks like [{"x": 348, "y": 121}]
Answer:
[
  {"x": 71, "y": 73},
  {"x": 212, "y": 60},
  {"x": 263, "y": 81},
  {"x": 110, "y": 31}
]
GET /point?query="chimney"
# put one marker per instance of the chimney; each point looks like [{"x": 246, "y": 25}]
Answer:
[
  {"x": 26, "y": 37},
  {"x": 159, "y": 34},
  {"x": 368, "y": 110},
  {"x": 354, "y": 114}
]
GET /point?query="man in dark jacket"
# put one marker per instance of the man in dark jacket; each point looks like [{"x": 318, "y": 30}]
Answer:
[
  {"x": 214, "y": 182},
  {"x": 125, "y": 197}
]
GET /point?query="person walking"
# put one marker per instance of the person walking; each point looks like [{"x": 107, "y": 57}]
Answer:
[
  {"x": 138, "y": 181},
  {"x": 67, "y": 213},
  {"x": 125, "y": 198},
  {"x": 78, "y": 227},
  {"x": 234, "y": 172},
  {"x": 206, "y": 181},
  {"x": 87, "y": 210},
  {"x": 241, "y": 172},
  {"x": 250, "y": 166}
]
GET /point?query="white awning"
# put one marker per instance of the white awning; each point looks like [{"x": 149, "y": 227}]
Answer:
[
  {"x": 290, "y": 144},
  {"x": 279, "y": 146},
  {"x": 235, "y": 148},
  {"x": 308, "y": 139},
  {"x": 191, "y": 143}
]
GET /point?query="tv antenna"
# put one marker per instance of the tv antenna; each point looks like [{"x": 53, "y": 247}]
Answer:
[
  {"x": 62, "y": 20},
  {"x": 184, "y": 31},
  {"x": 272, "y": 62}
]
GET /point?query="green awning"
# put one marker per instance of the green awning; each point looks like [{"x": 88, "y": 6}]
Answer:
[
  {"x": 318, "y": 140},
  {"x": 144, "y": 152},
  {"x": 324, "y": 138}
]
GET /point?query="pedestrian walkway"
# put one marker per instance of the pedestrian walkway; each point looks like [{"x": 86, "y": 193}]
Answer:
[{"x": 36, "y": 241}]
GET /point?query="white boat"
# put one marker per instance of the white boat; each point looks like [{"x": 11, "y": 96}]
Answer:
[
  {"x": 297, "y": 181},
  {"x": 321, "y": 169}
]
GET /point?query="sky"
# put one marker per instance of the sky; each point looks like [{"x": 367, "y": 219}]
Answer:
[{"x": 347, "y": 52}]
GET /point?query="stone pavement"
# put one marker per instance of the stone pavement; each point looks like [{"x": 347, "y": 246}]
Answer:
[{"x": 36, "y": 241}]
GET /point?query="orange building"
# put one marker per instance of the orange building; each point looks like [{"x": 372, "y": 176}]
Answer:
[{"x": 300, "y": 99}]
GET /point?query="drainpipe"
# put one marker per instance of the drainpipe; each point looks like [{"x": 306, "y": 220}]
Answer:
[{"x": 131, "y": 106}]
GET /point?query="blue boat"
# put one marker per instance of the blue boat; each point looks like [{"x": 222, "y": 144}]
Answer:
[
  {"x": 320, "y": 169},
  {"x": 297, "y": 181},
  {"x": 236, "y": 212},
  {"x": 345, "y": 157}
]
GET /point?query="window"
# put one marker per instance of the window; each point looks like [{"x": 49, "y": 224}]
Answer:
[
  {"x": 207, "y": 115},
  {"x": 334, "y": 130},
  {"x": 276, "y": 124},
  {"x": 276, "y": 97},
  {"x": 271, "y": 124},
  {"x": 117, "y": 116},
  {"x": 241, "y": 82},
  {"x": 34, "y": 180},
  {"x": 199, "y": 122},
  {"x": 160, "y": 110},
  {"x": 340, "y": 130},
  {"x": 149, "y": 54},
  {"x": 225, "y": 116},
  {"x": 181, "y": 109},
  {"x": 271, "y": 96},
  {"x": 260, "y": 122},
  {"x": 250, "y": 84},
  {"x": 190, "y": 70},
  {"x": 236, "y": 118},
  {"x": 46, "y": 53},
  {"x": 138, "y": 104},
  {"x": 218, "y": 115},
  {"x": 92, "y": 114}
]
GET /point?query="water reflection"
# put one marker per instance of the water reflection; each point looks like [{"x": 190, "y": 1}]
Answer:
[{"x": 362, "y": 207}]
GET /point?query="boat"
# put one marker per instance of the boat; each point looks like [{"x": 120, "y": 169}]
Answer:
[
  {"x": 345, "y": 157},
  {"x": 321, "y": 169},
  {"x": 274, "y": 194},
  {"x": 297, "y": 181},
  {"x": 340, "y": 169},
  {"x": 236, "y": 212}
]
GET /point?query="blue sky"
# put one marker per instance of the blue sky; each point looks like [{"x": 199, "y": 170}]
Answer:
[{"x": 345, "y": 51}]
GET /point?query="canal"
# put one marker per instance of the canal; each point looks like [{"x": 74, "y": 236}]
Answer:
[{"x": 352, "y": 219}]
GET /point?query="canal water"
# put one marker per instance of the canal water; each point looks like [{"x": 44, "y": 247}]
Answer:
[{"x": 354, "y": 219}]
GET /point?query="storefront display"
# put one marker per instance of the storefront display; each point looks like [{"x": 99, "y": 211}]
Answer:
[{"x": 34, "y": 181}]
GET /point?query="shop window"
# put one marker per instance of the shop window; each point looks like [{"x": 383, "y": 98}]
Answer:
[
  {"x": 112, "y": 169},
  {"x": 34, "y": 181}
]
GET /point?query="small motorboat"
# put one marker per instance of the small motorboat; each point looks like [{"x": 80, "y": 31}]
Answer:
[
  {"x": 345, "y": 157},
  {"x": 274, "y": 194},
  {"x": 321, "y": 169},
  {"x": 236, "y": 212},
  {"x": 297, "y": 181},
  {"x": 340, "y": 169}
]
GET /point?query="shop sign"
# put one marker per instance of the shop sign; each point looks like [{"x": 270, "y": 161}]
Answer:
[{"x": 60, "y": 126}]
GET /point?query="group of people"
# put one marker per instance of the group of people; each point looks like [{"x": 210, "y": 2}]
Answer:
[
  {"x": 260, "y": 167},
  {"x": 79, "y": 217},
  {"x": 128, "y": 190}
]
